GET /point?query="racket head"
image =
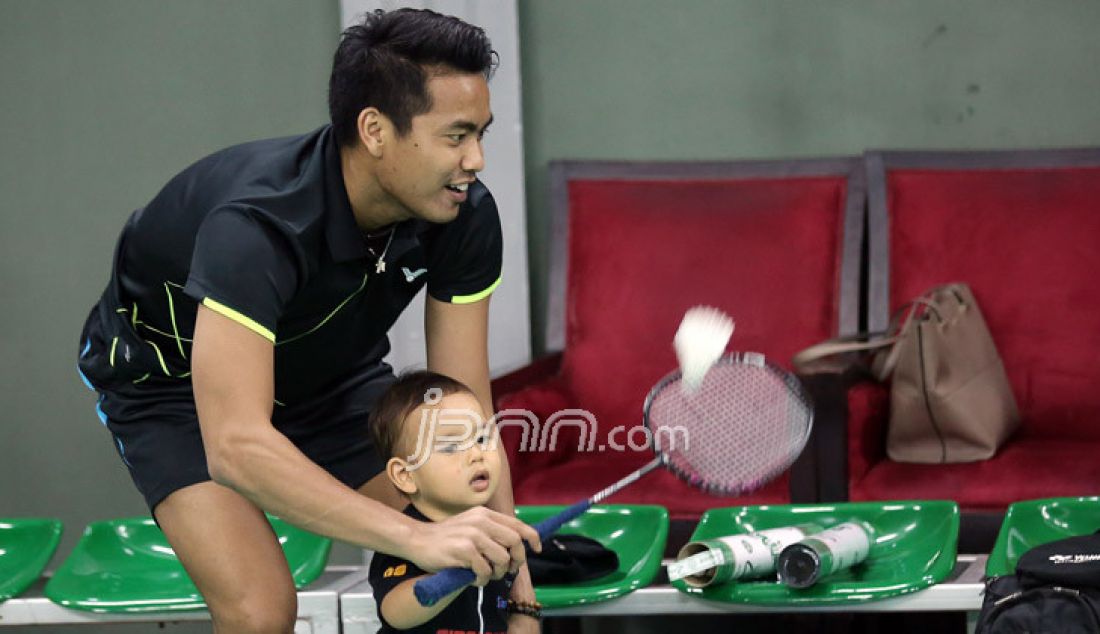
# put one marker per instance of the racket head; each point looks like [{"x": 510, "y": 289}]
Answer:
[{"x": 746, "y": 423}]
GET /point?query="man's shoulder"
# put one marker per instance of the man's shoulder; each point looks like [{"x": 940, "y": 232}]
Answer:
[
  {"x": 282, "y": 176},
  {"x": 257, "y": 167},
  {"x": 267, "y": 147}
]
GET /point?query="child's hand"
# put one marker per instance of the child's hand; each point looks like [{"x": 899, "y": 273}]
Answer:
[{"x": 487, "y": 542}]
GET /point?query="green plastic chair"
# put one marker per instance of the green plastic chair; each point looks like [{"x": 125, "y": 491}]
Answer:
[
  {"x": 915, "y": 547},
  {"x": 1031, "y": 523},
  {"x": 636, "y": 532},
  {"x": 126, "y": 565},
  {"x": 26, "y": 546}
]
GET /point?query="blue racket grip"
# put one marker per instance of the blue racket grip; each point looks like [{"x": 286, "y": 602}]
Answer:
[{"x": 431, "y": 589}]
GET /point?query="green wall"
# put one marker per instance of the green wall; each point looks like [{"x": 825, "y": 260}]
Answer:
[{"x": 729, "y": 79}]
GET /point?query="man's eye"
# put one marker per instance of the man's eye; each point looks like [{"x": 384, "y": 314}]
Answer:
[
  {"x": 457, "y": 138},
  {"x": 447, "y": 448}
]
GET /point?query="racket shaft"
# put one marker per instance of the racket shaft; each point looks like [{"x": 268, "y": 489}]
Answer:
[
  {"x": 431, "y": 589},
  {"x": 625, "y": 482}
]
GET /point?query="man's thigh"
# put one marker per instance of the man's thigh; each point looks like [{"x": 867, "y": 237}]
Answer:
[{"x": 229, "y": 550}]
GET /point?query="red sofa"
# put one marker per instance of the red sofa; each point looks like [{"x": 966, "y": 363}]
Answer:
[
  {"x": 774, "y": 244},
  {"x": 1022, "y": 229}
]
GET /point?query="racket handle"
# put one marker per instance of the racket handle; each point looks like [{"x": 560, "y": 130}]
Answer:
[{"x": 432, "y": 588}]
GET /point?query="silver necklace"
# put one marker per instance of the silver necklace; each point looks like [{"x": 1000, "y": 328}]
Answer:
[{"x": 380, "y": 264}]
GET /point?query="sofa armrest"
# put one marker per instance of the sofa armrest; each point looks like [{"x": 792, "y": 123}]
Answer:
[
  {"x": 525, "y": 400},
  {"x": 820, "y": 473},
  {"x": 535, "y": 372}
]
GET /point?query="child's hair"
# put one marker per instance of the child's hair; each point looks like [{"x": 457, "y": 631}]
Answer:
[{"x": 401, "y": 399}]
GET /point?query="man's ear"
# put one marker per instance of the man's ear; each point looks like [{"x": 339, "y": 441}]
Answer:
[
  {"x": 372, "y": 130},
  {"x": 399, "y": 473}
]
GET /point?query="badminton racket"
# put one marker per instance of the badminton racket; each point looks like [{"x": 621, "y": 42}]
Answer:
[{"x": 746, "y": 423}]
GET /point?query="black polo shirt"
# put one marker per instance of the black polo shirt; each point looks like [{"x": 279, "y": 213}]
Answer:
[
  {"x": 461, "y": 615},
  {"x": 263, "y": 233}
]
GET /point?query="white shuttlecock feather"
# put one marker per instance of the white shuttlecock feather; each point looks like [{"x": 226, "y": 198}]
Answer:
[{"x": 699, "y": 342}]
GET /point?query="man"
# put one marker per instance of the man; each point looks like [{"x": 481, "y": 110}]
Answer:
[{"x": 238, "y": 348}]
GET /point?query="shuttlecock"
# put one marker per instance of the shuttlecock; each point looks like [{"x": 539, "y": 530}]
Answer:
[{"x": 699, "y": 342}]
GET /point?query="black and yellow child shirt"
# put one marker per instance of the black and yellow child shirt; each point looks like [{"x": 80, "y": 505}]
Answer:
[{"x": 466, "y": 613}]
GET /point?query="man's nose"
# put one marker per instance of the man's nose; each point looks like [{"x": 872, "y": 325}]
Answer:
[{"x": 474, "y": 158}]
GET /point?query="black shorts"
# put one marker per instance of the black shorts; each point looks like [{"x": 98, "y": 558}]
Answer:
[{"x": 156, "y": 431}]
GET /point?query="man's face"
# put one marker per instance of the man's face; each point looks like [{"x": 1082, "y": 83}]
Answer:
[{"x": 426, "y": 172}]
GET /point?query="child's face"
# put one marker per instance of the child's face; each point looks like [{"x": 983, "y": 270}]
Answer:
[{"x": 461, "y": 468}]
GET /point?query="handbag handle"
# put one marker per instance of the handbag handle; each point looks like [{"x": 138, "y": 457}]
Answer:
[
  {"x": 882, "y": 365},
  {"x": 863, "y": 342}
]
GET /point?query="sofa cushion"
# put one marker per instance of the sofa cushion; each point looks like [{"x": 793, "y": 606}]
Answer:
[
  {"x": 1025, "y": 241},
  {"x": 1025, "y": 468},
  {"x": 765, "y": 251}
]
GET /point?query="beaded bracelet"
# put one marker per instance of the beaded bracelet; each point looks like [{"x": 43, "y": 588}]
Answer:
[{"x": 532, "y": 609}]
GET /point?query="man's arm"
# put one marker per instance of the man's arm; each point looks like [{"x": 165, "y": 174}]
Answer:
[
  {"x": 233, "y": 376},
  {"x": 457, "y": 337}
]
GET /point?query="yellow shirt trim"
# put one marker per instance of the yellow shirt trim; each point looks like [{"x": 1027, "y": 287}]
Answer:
[
  {"x": 247, "y": 322},
  {"x": 476, "y": 297}
]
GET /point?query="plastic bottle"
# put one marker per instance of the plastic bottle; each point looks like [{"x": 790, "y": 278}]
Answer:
[
  {"x": 714, "y": 561},
  {"x": 802, "y": 564}
]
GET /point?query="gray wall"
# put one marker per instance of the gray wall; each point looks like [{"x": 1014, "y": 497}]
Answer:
[
  {"x": 728, "y": 79},
  {"x": 103, "y": 101}
]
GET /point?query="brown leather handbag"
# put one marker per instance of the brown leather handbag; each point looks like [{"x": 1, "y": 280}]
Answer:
[{"x": 950, "y": 400}]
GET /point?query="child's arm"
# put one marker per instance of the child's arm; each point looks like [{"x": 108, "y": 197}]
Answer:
[
  {"x": 402, "y": 611},
  {"x": 522, "y": 624}
]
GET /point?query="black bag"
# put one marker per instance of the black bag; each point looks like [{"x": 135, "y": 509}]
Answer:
[
  {"x": 569, "y": 559},
  {"x": 1056, "y": 588}
]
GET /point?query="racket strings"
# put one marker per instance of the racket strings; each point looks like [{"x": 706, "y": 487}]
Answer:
[{"x": 743, "y": 426}]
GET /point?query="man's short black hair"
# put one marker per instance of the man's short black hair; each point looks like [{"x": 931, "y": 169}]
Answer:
[{"x": 386, "y": 61}]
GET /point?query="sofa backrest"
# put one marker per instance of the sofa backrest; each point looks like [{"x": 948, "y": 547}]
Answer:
[
  {"x": 774, "y": 244},
  {"x": 1022, "y": 229}
]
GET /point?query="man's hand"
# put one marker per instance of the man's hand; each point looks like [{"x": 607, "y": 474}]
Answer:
[{"x": 487, "y": 542}]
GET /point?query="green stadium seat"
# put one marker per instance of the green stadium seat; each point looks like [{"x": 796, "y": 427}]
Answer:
[
  {"x": 127, "y": 565},
  {"x": 26, "y": 546}
]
